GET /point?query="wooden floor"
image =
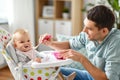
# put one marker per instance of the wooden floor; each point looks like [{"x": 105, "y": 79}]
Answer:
[{"x": 5, "y": 74}]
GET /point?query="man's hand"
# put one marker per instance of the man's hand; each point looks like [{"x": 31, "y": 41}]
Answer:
[
  {"x": 45, "y": 39},
  {"x": 71, "y": 54}
]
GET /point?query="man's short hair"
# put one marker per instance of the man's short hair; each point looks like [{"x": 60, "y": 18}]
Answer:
[{"x": 102, "y": 16}]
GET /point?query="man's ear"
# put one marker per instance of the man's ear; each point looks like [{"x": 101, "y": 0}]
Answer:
[{"x": 105, "y": 31}]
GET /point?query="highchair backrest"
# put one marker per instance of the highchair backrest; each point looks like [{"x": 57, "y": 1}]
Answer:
[
  {"x": 5, "y": 37},
  {"x": 11, "y": 51}
]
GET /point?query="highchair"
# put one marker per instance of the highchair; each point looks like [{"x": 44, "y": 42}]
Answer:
[{"x": 28, "y": 72}]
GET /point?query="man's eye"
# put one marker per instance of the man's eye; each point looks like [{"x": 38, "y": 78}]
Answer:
[{"x": 89, "y": 28}]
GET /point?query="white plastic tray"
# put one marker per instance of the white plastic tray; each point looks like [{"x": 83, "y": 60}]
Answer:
[{"x": 52, "y": 63}]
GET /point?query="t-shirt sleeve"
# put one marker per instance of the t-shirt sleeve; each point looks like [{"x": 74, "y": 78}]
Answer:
[
  {"x": 112, "y": 66},
  {"x": 78, "y": 42}
]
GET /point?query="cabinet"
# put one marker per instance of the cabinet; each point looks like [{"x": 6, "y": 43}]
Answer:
[
  {"x": 45, "y": 26},
  {"x": 72, "y": 26},
  {"x": 63, "y": 27}
]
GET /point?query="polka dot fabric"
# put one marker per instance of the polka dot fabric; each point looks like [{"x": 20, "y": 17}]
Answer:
[{"x": 38, "y": 74}]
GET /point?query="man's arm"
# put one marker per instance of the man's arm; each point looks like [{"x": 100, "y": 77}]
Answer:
[
  {"x": 95, "y": 72},
  {"x": 47, "y": 40},
  {"x": 59, "y": 45}
]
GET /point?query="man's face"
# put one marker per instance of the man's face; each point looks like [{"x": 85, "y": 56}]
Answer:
[{"x": 92, "y": 31}]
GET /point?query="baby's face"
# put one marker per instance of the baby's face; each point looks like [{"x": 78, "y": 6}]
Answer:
[{"x": 23, "y": 43}]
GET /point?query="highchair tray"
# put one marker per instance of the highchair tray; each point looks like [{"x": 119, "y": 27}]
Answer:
[
  {"x": 50, "y": 59},
  {"x": 56, "y": 63}
]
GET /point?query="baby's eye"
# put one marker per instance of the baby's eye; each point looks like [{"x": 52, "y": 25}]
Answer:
[
  {"x": 22, "y": 42},
  {"x": 28, "y": 41}
]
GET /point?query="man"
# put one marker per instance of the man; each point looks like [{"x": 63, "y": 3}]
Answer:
[{"x": 102, "y": 43}]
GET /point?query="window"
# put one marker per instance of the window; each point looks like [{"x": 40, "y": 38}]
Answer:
[{"x": 5, "y": 10}]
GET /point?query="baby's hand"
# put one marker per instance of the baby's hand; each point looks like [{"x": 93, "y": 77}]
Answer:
[{"x": 38, "y": 60}]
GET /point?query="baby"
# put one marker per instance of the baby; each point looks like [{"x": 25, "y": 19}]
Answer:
[
  {"x": 26, "y": 52},
  {"x": 24, "y": 49}
]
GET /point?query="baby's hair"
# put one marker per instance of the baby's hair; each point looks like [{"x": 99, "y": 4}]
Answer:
[{"x": 20, "y": 31}]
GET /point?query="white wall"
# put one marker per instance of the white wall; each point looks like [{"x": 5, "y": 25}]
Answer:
[
  {"x": 3, "y": 9},
  {"x": 23, "y": 16}
]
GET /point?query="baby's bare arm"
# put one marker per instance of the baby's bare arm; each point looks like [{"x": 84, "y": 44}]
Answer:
[{"x": 38, "y": 60}]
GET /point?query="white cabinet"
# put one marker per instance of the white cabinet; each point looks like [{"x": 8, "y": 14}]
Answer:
[
  {"x": 52, "y": 27},
  {"x": 45, "y": 26},
  {"x": 63, "y": 27}
]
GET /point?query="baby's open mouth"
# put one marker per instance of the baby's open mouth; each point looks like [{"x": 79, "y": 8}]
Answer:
[{"x": 26, "y": 46}]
